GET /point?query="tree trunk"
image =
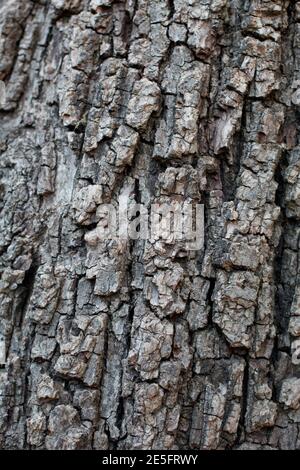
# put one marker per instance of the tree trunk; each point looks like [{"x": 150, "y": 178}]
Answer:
[{"x": 145, "y": 344}]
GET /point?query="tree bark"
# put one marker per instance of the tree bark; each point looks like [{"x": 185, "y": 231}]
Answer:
[{"x": 142, "y": 344}]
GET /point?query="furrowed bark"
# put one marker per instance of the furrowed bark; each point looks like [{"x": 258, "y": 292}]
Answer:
[{"x": 144, "y": 344}]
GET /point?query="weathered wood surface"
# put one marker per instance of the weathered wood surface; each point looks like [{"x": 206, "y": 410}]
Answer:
[{"x": 138, "y": 345}]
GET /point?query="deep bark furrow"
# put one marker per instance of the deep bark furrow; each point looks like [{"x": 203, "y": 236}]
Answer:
[{"x": 145, "y": 344}]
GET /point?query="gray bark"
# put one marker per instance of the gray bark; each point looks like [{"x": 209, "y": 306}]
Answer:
[{"x": 141, "y": 345}]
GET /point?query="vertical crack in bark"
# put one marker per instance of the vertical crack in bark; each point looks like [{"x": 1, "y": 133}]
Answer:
[{"x": 145, "y": 344}]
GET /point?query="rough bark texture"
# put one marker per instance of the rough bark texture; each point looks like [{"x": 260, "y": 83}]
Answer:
[{"x": 137, "y": 345}]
